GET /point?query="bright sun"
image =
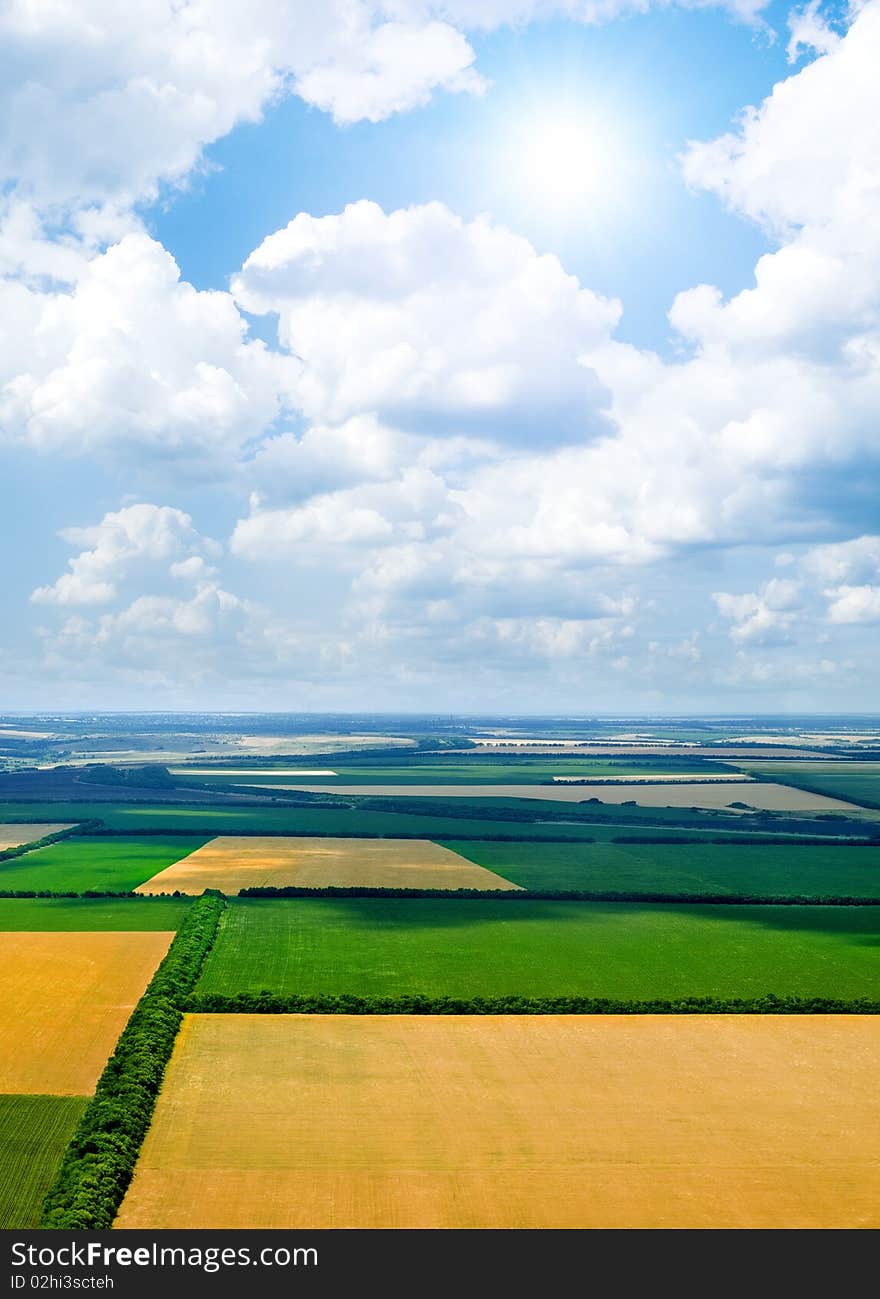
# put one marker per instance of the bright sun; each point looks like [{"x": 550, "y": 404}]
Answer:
[{"x": 563, "y": 161}]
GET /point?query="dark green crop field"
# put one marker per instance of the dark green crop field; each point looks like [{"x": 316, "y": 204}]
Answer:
[
  {"x": 34, "y": 914},
  {"x": 428, "y": 819},
  {"x": 34, "y": 1131},
  {"x": 808, "y": 870},
  {"x": 858, "y": 781},
  {"x": 83, "y": 862},
  {"x": 329, "y": 820},
  {"x": 475, "y": 948}
]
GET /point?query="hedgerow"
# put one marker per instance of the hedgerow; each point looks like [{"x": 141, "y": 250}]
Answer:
[
  {"x": 99, "y": 1162},
  {"x": 81, "y": 827},
  {"x": 268, "y": 1003},
  {"x": 562, "y": 895}
]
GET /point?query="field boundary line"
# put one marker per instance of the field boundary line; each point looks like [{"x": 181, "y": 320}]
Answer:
[
  {"x": 80, "y": 827},
  {"x": 649, "y": 896},
  {"x": 865, "y": 804},
  {"x": 255, "y": 893},
  {"x": 269, "y": 1003}
]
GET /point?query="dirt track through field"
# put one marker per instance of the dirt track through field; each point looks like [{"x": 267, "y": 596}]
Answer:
[
  {"x": 644, "y": 1121},
  {"x": 232, "y": 862},
  {"x": 64, "y": 999}
]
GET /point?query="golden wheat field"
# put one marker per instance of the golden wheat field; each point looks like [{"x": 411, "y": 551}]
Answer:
[
  {"x": 64, "y": 999},
  {"x": 13, "y": 836},
  {"x": 230, "y": 863},
  {"x": 643, "y": 1121}
]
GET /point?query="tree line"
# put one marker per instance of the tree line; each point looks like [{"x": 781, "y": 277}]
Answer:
[
  {"x": 269, "y": 1003},
  {"x": 562, "y": 895},
  {"x": 82, "y": 827},
  {"x": 99, "y": 1161}
]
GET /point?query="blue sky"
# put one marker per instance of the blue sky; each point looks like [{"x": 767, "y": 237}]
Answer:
[
  {"x": 394, "y": 356},
  {"x": 659, "y": 78}
]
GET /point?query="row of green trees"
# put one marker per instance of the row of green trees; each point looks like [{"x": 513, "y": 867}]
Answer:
[
  {"x": 268, "y": 1003},
  {"x": 82, "y": 827},
  {"x": 88, "y": 893},
  {"x": 740, "y": 840},
  {"x": 492, "y": 895},
  {"x": 98, "y": 1164},
  {"x": 563, "y": 895}
]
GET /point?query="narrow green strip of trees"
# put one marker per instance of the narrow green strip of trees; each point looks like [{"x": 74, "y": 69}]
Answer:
[
  {"x": 99, "y": 1162},
  {"x": 566, "y": 895},
  {"x": 268, "y": 1003},
  {"x": 81, "y": 827}
]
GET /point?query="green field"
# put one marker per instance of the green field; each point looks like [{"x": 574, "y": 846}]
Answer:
[
  {"x": 813, "y": 870},
  {"x": 269, "y": 819},
  {"x": 365, "y": 946},
  {"x": 82, "y": 914},
  {"x": 82, "y": 863},
  {"x": 858, "y": 781},
  {"x": 479, "y": 818},
  {"x": 34, "y": 1131}
]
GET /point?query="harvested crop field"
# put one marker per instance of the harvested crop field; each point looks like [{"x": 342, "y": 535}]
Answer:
[
  {"x": 766, "y": 796},
  {"x": 64, "y": 1000},
  {"x": 493, "y": 947},
  {"x": 514, "y": 1122},
  {"x": 13, "y": 836},
  {"x": 34, "y": 1131},
  {"x": 231, "y": 863}
]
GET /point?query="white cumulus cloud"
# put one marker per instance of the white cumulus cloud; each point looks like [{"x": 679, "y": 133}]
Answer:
[
  {"x": 761, "y": 616},
  {"x": 435, "y": 324},
  {"x": 136, "y": 539},
  {"x": 132, "y": 359},
  {"x": 854, "y": 604}
]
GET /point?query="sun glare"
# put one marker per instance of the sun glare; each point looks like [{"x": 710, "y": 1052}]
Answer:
[{"x": 562, "y": 161}]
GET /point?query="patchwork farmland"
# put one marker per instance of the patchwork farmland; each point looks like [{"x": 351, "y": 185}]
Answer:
[
  {"x": 90, "y": 863},
  {"x": 524, "y": 1000},
  {"x": 14, "y": 836}
]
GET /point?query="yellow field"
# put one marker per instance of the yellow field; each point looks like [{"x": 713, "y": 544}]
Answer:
[
  {"x": 13, "y": 836},
  {"x": 770, "y": 797},
  {"x": 713, "y": 1121},
  {"x": 64, "y": 1000},
  {"x": 231, "y": 863}
]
